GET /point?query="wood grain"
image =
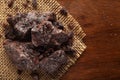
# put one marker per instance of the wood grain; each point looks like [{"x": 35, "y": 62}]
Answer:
[{"x": 100, "y": 19}]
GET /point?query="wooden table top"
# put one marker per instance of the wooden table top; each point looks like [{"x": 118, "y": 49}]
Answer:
[{"x": 100, "y": 20}]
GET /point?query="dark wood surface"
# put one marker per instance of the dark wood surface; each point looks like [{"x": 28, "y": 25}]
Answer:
[{"x": 100, "y": 20}]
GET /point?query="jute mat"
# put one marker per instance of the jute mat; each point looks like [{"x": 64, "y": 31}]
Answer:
[{"x": 7, "y": 69}]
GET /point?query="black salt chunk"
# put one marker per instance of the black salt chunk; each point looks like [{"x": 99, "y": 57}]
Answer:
[
  {"x": 58, "y": 25},
  {"x": 41, "y": 34},
  {"x": 53, "y": 62},
  {"x": 21, "y": 54},
  {"x": 63, "y": 12},
  {"x": 10, "y": 3},
  {"x": 19, "y": 72},
  {"x": 9, "y": 32}
]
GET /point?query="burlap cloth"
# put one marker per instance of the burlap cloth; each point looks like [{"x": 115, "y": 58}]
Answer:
[{"x": 7, "y": 69}]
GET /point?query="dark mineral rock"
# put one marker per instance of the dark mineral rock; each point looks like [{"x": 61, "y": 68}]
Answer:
[
  {"x": 10, "y": 3},
  {"x": 41, "y": 34},
  {"x": 63, "y": 12},
  {"x": 12, "y": 20},
  {"x": 19, "y": 72},
  {"x": 21, "y": 54},
  {"x": 21, "y": 25},
  {"x": 68, "y": 50},
  {"x": 51, "y": 16},
  {"x": 23, "y": 29},
  {"x": 59, "y": 56},
  {"x": 53, "y": 62},
  {"x": 47, "y": 16},
  {"x": 60, "y": 37},
  {"x": 36, "y": 40},
  {"x": 31, "y": 16},
  {"x": 9, "y": 32},
  {"x": 58, "y": 25}
]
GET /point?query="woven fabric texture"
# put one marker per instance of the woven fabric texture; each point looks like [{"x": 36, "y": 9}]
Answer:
[{"x": 7, "y": 69}]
